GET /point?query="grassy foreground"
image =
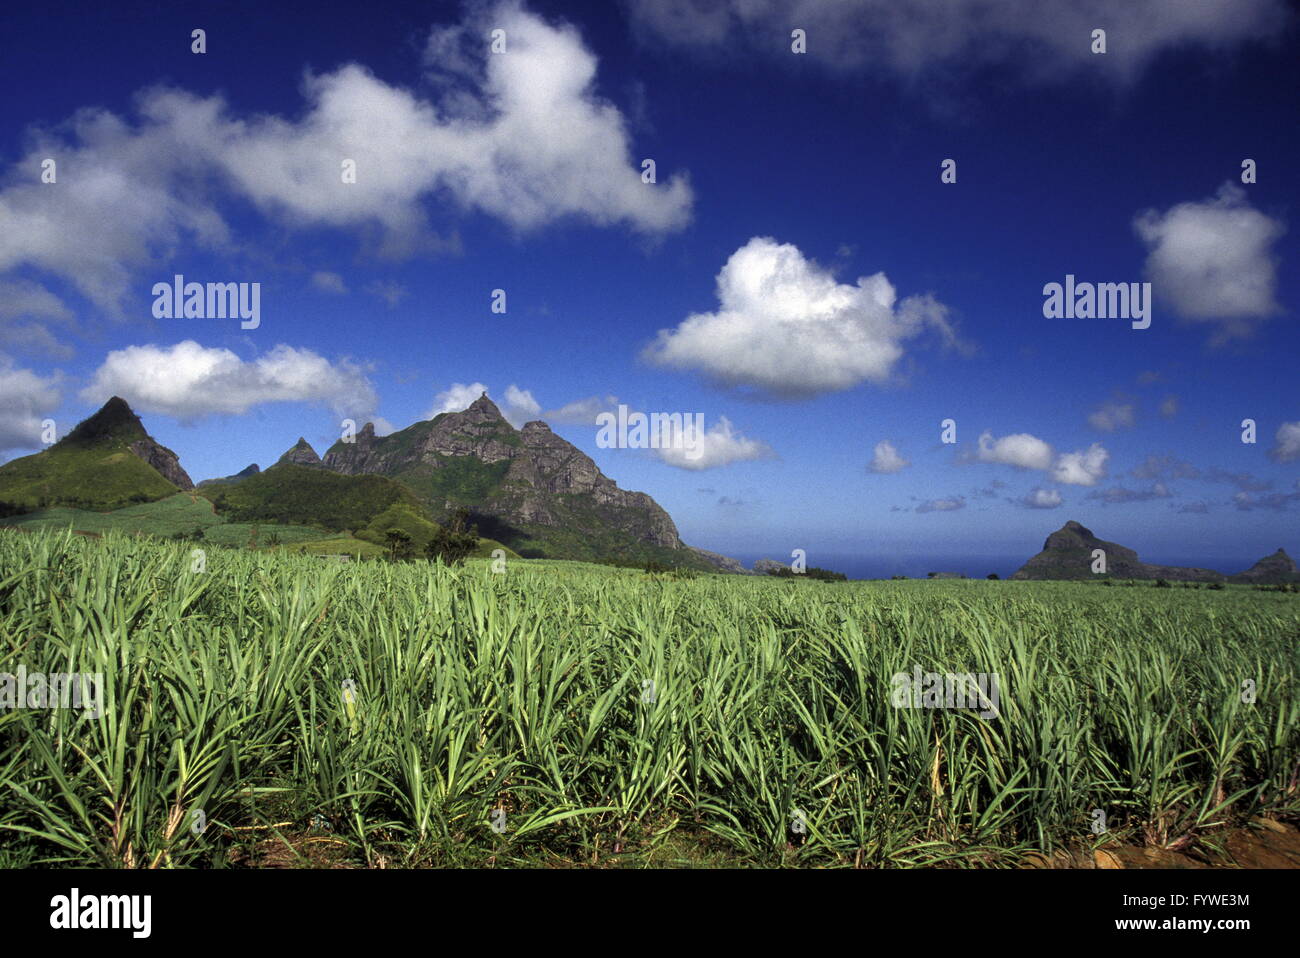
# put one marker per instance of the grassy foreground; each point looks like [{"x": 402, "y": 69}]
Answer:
[{"x": 409, "y": 714}]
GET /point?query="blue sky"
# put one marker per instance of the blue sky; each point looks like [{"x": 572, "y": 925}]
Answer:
[{"x": 863, "y": 301}]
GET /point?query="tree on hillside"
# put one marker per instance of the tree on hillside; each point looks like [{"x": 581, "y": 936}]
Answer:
[
  {"x": 454, "y": 542},
  {"x": 398, "y": 543}
]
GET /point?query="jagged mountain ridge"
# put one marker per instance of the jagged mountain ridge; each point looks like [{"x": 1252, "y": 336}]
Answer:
[{"x": 531, "y": 486}]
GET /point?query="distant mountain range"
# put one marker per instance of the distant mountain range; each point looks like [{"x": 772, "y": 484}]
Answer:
[
  {"x": 1068, "y": 554},
  {"x": 528, "y": 489}
]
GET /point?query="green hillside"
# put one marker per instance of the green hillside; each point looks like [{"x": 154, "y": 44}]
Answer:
[
  {"x": 300, "y": 495},
  {"x": 91, "y": 468},
  {"x": 101, "y": 476}
]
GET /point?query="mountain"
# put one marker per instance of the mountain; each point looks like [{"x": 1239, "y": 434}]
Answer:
[
  {"x": 249, "y": 470},
  {"x": 107, "y": 462},
  {"x": 1067, "y": 554},
  {"x": 1279, "y": 567},
  {"x": 527, "y": 488},
  {"x": 302, "y": 454}
]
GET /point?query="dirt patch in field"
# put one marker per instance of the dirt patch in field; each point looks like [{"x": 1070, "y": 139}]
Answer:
[{"x": 1264, "y": 844}]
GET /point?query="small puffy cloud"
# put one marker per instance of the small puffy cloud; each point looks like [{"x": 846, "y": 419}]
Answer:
[
  {"x": 328, "y": 282},
  {"x": 1118, "y": 495},
  {"x": 1111, "y": 416},
  {"x": 720, "y": 445},
  {"x": 886, "y": 460},
  {"x": 1213, "y": 261},
  {"x": 1025, "y": 451},
  {"x": 942, "y": 505},
  {"x": 190, "y": 382},
  {"x": 1194, "y": 508},
  {"x": 1081, "y": 468},
  {"x": 519, "y": 406},
  {"x": 785, "y": 327},
  {"x": 27, "y": 400},
  {"x": 1041, "y": 499},
  {"x": 1169, "y": 407},
  {"x": 1287, "y": 446},
  {"x": 391, "y": 293},
  {"x": 1020, "y": 449},
  {"x": 1164, "y": 467},
  {"x": 581, "y": 412}
]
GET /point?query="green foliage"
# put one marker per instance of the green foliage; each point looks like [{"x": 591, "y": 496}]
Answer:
[
  {"x": 222, "y": 691},
  {"x": 403, "y": 517},
  {"x": 812, "y": 572},
  {"x": 460, "y": 479},
  {"x": 299, "y": 495},
  {"x": 453, "y": 543},
  {"x": 99, "y": 477}
]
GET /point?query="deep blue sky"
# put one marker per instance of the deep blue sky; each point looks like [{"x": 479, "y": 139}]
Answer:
[{"x": 828, "y": 152}]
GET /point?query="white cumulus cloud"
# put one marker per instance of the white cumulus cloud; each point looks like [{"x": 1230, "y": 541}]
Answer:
[
  {"x": 131, "y": 193},
  {"x": 1081, "y": 468},
  {"x": 1213, "y": 261},
  {"x": 786, "y": 327},
  {"x": 720, "y": 445},
  {"x": 1021, "y": 450},
  {"x": 190, "y": 382},
  {"x": 886, "y": 460}
]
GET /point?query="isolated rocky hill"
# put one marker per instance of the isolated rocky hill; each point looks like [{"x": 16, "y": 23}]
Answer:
[
  {"x": 1278, "y": 567},
  {"x": 108, "y": 461},
  {"x": 1068, "y": 554}
]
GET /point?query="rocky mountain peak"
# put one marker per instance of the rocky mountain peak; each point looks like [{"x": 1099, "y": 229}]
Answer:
[
  {"x": 116, "y": 422},
  {"x": 482, "y": 409},
  {"x": 302, "y": 454}
]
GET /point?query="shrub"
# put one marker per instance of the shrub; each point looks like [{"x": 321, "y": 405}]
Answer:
[{"x": 454, "y": 542}]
